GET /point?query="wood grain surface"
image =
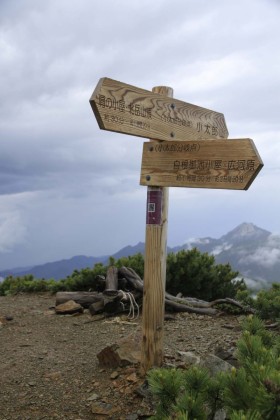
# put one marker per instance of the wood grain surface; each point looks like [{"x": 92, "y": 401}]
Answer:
[
  {"x": 123, "y": 108},
  {"x": 155, "y": 269},
  {"x": 226, "y": 164}
]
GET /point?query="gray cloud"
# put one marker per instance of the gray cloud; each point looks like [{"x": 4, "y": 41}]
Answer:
[
  {"x": 57, "y": 167},
  {"x": 12, "y": 231},
  {"x": 268, "y": 255}
]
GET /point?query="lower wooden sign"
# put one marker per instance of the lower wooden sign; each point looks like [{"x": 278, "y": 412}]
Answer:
[{"x": 227, "y": 164}]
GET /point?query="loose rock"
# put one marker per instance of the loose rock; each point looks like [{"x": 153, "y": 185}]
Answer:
[{"x": 69, "y": 307}]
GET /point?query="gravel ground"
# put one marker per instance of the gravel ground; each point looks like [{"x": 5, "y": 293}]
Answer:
[{"x": 49, "y": 368}]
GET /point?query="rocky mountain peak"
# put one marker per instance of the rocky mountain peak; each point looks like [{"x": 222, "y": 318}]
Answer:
[{"x": 245, "y": 231}]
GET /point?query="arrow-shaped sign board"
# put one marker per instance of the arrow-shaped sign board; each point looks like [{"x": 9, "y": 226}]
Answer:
[
  {"x": 127, "y": 109},
  {"x": 227, "y": 164}
]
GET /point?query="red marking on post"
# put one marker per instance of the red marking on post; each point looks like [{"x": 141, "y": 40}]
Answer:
[{"x": 154, "y": 207}]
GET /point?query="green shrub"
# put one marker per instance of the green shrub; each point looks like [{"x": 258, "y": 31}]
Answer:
[
  {"x": 166, "y": 385},
  {"x": 25, "y": 284},
  {"x": 191, "y": 272},
  {"x": 266, "y": 303},
  {"x": 195, "y": 274},
  {"x": 136, "y": 262},
  {"x": 249, "y": 392},
  {"x": 187, "y": 394},
  {"x": 79, "y": 280},
  {"x": 255, "y": 387}
]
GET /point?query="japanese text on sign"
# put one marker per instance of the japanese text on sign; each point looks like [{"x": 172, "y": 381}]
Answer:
[
  {"x": 133, "y": 109},
  {"x": 234, "y": 165}
]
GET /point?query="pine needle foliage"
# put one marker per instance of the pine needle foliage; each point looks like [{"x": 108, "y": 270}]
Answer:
[
  {"x": 180, "y": 394},
  {"x": 191, "y": 405},
  {"x": 256, "y": 385},
  {"x": 250, "y": 415},
  {"x": 251, "y": 392},
  {"x": 166, "y": 385},
  {"x": 266, "y": 303}
]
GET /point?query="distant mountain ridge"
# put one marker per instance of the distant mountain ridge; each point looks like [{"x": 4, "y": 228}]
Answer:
[
  {"x": 63, "y": 268},
  {"x": 250, "y": 250}
]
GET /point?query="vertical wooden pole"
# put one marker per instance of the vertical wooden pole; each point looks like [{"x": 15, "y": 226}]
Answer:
[{"x": 155, "y": 270}]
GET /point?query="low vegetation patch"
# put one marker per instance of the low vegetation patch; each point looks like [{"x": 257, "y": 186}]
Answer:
[
  {"x": 192, "y": 273},
  {"x": 250, "y": 392}
]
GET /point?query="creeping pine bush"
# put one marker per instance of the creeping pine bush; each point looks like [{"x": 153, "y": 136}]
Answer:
[
  {"x": 266, "y": 303},
  {"x": 250, "y": 392},
  {"x": 79, "y": 280},
  {"x": 189, "y": 394},
  {"x": 26, "y": 284},
  {"x": 195, "y": 274}
]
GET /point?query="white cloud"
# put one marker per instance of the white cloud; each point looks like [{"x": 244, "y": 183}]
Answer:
[
  {"x": 266, "y": 256},
  {"x": 218, "y": 249}
]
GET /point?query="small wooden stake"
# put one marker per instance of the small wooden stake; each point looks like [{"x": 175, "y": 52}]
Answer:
[{"x": 155, "y": 270}]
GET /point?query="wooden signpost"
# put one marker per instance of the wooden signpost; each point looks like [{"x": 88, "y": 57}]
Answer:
[
  {"x": 155, "y": 268},
  {"x": 188, "y": 149},
  {"x": 138, "y": 112},
  {"x": 228, "y": 164}
]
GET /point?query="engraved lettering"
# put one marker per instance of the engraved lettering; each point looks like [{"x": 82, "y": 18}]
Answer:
[
  {"x": 207, "y": 178},
  {"x": 102, "y": 101},
  {"x": 176, "y": 164},
  {"x": 176, "y": 121},
  {"x": 134, "y": 109},
  {"x": 111, "y": 103},
  {"x": 251, "y": 165},
  {"x": 140, "y": 111},
  {"x": 217, "y": 164},
  {"x": 214, "y": 130},
  {"x": 238, "y": 166},
  {"x": 108, "y": 103},
  {"x": 178, "y": 147},
  {"x": 121, "y": 105},
  {"x": 113, "y": 119},
  {"x": 199, "y": 127},
  {"x": 140, "y": 124},
  {"x": 207, "y": 128},
  {"x": 203, "y": 164}
]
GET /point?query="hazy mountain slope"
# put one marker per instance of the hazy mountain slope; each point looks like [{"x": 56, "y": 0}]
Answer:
[
  {"x": 63, "y": 268},
  {"x": 57, "y": 269},
  {"x": 252, "y": 251}
]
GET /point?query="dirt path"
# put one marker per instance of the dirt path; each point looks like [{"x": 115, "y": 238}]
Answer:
[{"x": 49, "y": 368}]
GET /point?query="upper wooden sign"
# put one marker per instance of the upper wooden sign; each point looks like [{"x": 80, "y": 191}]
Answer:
[
  {"x": 138, "y": 112},
  {"x": 227, "y": 164}
]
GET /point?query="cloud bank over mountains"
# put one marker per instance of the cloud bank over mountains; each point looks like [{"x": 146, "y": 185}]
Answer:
[{"x": 250, "y": 250}]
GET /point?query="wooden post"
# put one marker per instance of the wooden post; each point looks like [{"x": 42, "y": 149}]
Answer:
[
  {"x": 155, "y": 270},
  {"x": 111, "y": 282}
]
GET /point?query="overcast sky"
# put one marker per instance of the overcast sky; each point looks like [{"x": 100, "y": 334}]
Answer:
[{"x": 68, "y": 188}]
